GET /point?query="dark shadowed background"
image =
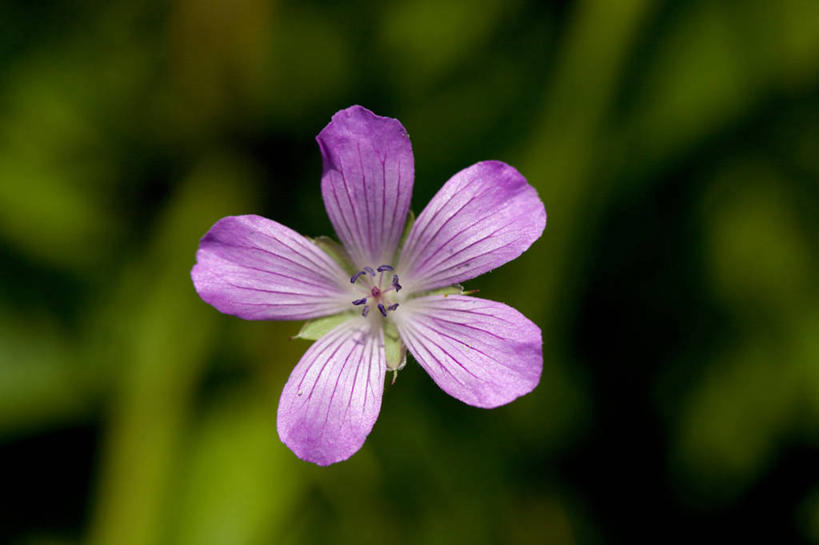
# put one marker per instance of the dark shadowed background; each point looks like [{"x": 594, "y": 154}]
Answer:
[{"x": 675, "y": 145}]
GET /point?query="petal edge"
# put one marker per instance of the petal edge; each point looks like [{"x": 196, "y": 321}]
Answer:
[
  {"x": 484, "y": 216},
  {"x": 481, "y": 352},
  {"x": 366, "y": 182},
  {"x": 333, "y": 396},
  {"x": 258, "y": 269}
]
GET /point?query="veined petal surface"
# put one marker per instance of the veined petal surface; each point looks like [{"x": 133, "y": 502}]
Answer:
[
  {"x": 258, "y": 269},
  {"x": 366, "y": 182},
  {"x": 483, "y": 217},
  {"x": 333, "y": 396},
  {"x": 481, "y": 352}
]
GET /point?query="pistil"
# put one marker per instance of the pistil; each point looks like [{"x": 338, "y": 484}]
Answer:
[{"x": 367, "y": 277}]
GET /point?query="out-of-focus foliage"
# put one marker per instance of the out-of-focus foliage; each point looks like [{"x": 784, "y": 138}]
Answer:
[{"x": 675, "y": 145}]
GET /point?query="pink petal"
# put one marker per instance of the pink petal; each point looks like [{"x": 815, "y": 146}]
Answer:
[
  {"x": 367, "y": 182},
  {"x": 333, "y": 396},
  {"x": 484, "y": 353},
  {"x": 481, "y": 218},
  {"x": 257, "y": 269}
]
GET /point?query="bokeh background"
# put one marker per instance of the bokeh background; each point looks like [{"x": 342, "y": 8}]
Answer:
[{"x": 675, "y": 145}]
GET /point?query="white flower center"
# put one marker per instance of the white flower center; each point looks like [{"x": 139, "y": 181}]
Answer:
[{"x": 377, "y": 294}]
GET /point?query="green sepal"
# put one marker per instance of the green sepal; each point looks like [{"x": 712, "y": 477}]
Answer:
[
  {"x": 394, "y": 349},
  {"x": 407, "y": 228},
  {"x": 335, "y": 251},
  {"x": 455, "y": 289},
  {"x": 313, "y": 330}
]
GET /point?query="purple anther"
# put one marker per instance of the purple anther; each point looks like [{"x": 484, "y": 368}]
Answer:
[
  {"x": 370, "y": 270},
  {"x": 395, "y": 283},
  {"x": 383, "y": 268},
  {"x": 365, "y": 311},
  {"x": 355, "y": 277},
  {"x": 392, "y": 306},
  {"x": 382, "y": 310},
  {"x": 360, "y": 301}
]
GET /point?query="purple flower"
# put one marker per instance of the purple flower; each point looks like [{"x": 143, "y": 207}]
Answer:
[{"x": 371, "y": 300}]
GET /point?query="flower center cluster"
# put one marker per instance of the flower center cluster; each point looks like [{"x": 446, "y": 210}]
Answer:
[{"x": 378, "y": 295}]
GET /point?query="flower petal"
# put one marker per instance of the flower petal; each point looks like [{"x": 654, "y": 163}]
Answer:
[
  {"x": 484, "y": 353},
  {"x": 333, "y": 396},
  {"x": 484, "y": 216},
  {"x": 367, "y": 182},
  {"x": 257, "y": 269}
]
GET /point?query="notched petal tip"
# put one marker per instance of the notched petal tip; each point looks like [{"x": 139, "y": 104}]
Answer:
[
  {"x": 333, "y": 396},
  {"x": 366, "y": 184},
  {"x": 357, "y": 119}
]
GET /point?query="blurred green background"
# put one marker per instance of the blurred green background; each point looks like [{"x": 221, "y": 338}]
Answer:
[{"x": 675, "y": 145}]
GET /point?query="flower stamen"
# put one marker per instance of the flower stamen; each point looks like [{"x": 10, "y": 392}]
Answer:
[{"x": 375, "y": 294}]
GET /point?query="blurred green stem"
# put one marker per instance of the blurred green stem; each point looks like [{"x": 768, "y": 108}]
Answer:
[{"x": 159, "y": 369}]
